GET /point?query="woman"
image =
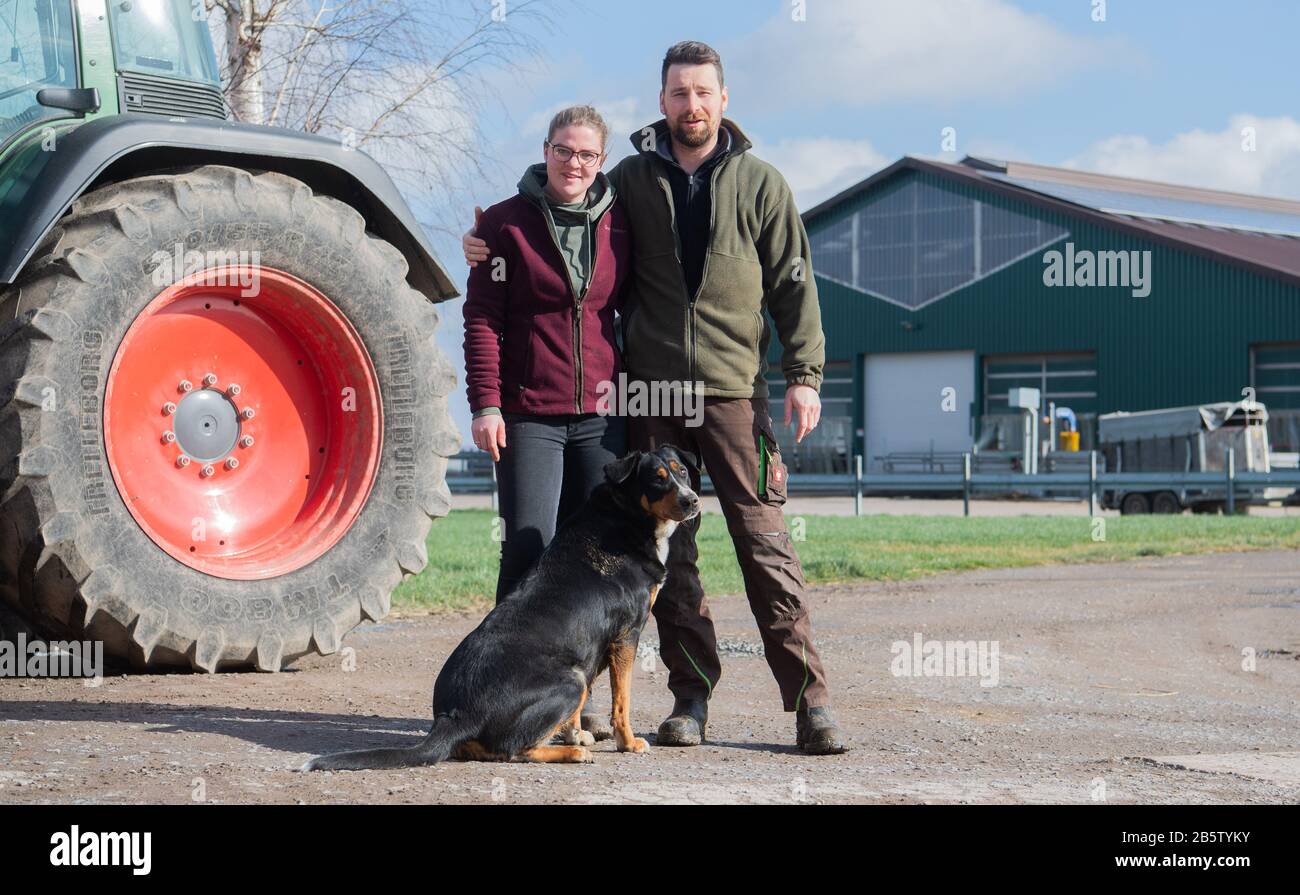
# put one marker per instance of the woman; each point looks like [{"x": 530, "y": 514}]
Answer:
[{"x": 539, "y": 339}]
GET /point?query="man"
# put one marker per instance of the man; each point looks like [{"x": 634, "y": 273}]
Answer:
[{"x": 717, "y": 240}]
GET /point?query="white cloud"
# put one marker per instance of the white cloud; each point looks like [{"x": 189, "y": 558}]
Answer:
[
  {"x": 853, "y": 53},
  {"x": 1213, "y": 159},
  {"x": 819, "y": 167}
]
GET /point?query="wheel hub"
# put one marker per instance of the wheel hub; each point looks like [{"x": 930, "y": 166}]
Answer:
[{"x": 207, "y": 425}]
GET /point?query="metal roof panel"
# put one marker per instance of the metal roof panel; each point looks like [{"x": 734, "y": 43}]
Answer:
[{"x": 1209, "y": 214}]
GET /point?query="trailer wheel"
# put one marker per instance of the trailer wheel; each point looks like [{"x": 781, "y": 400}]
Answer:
[
  {"x": 1134, "y": 504},
  {"x": 200, "y": 469},
  {"x": 1166, "y": 503}
]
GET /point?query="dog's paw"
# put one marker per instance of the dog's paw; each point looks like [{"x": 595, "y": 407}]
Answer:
[
  {"x": 636, "y": 745},
  {"x": 575, "y": 737},
  {"x": 583, "y": 755}
]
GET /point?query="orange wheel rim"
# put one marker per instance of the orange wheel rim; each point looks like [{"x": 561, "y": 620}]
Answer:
[{"x": 243, "y": 426}]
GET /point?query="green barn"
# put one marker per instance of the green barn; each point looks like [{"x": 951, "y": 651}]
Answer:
[{"x": 945, "y": 285}]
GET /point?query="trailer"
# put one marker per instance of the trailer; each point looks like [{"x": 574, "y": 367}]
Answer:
[{"x": 1186, "y": 439}]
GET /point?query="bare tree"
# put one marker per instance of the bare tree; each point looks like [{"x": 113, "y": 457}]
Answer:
[{"x": 405, "y": 80}]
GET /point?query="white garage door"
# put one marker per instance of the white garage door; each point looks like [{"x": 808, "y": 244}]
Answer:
[{"x": 910, "y": 409}]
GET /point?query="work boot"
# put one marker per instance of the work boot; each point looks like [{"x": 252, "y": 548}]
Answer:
[
  {"x": 686, "y": 725},
  {"x": 817, "y": 733},
  {"x": 596, "y": 722}
]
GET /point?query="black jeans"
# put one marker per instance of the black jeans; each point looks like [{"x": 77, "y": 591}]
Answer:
[{"x": 548, "y": 469}]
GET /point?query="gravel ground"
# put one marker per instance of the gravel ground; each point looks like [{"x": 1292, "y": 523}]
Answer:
[{"x": 1123, "y": 682}]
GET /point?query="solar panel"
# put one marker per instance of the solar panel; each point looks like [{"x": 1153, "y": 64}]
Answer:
[{"x": 1119, "y": 202}]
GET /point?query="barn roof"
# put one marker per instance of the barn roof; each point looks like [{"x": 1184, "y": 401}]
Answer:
[{"x": 1259, "y": 233}]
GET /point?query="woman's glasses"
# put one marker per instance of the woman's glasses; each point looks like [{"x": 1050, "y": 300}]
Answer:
[{"x": 586, "y": 157}]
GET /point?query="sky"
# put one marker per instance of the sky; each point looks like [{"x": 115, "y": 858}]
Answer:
[{"x": 1183, "y": 91}]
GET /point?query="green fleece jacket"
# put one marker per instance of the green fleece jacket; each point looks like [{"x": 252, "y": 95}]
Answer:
[{"x": 758, "y": 260}]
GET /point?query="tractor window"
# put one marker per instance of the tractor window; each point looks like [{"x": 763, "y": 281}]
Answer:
[
  {"x": 36, "y": 51},
  {"x": 167, "y": 38}
]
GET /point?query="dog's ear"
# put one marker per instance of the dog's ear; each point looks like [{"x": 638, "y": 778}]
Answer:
[{"x": 620, "y": 471}]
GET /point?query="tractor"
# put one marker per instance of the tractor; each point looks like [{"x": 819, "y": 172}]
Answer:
[{"x": 223, "y": 413}]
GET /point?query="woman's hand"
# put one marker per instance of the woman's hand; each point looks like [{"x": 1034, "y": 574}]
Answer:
[{"x": 489, "y": 434}]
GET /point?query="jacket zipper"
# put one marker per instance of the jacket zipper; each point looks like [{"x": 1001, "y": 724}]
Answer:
[
  {"x": 666, "y": 185},
  {"x": 591, "y": 278},
  {"x": 690, "y": 301},
  {"x": 677, "y": 249},
  {"x": 704, "y": 273},
  {"x": 577, "y": 300}
]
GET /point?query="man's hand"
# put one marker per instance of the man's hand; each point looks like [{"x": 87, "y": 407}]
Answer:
[
  {"x": 803, "y": 402},
  {"x": 489, "y": 434},
  {"x": 476, "y": 250}
]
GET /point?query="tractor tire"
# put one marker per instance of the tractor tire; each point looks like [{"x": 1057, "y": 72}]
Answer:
[{"x": 239, "y": 318}]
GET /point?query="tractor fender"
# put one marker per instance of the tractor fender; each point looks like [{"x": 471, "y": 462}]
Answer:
[{"x": 48, "y": 180}]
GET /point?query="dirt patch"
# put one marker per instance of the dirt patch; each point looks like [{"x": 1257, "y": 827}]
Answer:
[{"x": 1097, "y": 667}]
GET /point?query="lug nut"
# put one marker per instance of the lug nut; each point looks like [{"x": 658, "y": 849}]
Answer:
[
  {"x": 246, "y": 441},
  {"x": 185, "y": 386},
  {"x": 168, "y": 437},
  {"x": 208, "y": 471},
  {"x": 210, "y": 379},
  {"x": 233, "y": 389},
  {"x": 232, "y": 463},
  {"x": 247, "y": 413},
  {"x": 182, "y": 461},
  {"x": 169, "y": 408}
]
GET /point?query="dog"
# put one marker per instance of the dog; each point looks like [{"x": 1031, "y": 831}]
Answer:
[{"x": 523, "y": 675}]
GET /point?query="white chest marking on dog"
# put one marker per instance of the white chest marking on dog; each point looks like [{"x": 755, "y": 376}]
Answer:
[{"x": 663, "y": 531}]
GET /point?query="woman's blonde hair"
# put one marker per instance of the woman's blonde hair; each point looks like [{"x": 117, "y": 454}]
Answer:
[{"x": 586, "y": 116}]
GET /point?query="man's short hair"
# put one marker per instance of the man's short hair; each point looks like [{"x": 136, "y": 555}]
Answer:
[
  {"x": 692, "y": 52},
  {"x": 586, "y": 116}
]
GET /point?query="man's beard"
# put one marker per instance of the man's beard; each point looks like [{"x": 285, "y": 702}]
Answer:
[{"x": 694, "y": 139}]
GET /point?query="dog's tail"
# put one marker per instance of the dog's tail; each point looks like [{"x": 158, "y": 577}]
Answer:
[{"x": 446, "y": 734}]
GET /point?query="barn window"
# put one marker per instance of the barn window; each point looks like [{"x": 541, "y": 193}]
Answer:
[
  {"x": 1068, "y": 380},
  {"x": 919, "y": 242},
  {"x": 1275, "y": 376}
]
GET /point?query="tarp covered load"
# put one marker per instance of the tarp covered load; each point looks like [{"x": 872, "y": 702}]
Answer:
[{"x": 1177, "y": 421}]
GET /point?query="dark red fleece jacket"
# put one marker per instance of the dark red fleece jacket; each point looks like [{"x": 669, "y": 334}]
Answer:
[{"x": 532, "y": 345}]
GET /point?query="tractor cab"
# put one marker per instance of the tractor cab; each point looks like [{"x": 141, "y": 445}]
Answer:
[
  {"x": 38, "y": 52},
  {"x": 60, "y": 61}
]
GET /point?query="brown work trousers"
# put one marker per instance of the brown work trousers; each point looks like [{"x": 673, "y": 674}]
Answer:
[{"x": 738, "y": 448}]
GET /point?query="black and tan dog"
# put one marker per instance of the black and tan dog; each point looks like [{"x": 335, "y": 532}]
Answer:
[{"x": 523, "y": 674}]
